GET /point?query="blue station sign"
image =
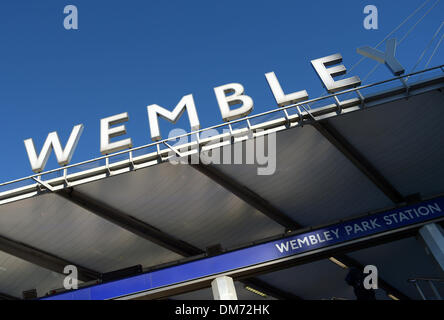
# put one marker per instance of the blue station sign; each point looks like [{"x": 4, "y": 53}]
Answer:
[{"x": 291, "y": 246}]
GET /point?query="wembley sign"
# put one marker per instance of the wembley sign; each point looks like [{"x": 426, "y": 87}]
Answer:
[{"x": 231, "y": 98}]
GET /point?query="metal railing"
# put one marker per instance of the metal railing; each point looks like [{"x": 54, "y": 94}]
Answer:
[
  {"x": 63, "y": 171},
  {"x": 431, "y": 282}
]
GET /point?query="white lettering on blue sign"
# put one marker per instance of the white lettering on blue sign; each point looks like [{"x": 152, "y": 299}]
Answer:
[
  {"x": 358, "y": 228},
  {"x": 307, "y": 241}
]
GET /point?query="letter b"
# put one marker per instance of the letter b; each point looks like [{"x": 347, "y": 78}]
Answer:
[{"x": 237, "y": 96}]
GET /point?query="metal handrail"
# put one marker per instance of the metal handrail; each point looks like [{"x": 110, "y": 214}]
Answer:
[
  {"x": 221, "y": 125},
  {"x": 426, "y": 279},
  {"x": 430, "y": 281}
]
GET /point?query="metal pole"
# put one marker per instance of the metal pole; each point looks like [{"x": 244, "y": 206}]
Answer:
[
  {"x": 433, "y": 239},
  {"x": 223, "y": 288},
  {"x": 420, "y": 291},
  {"x": 438, "y": 296}
]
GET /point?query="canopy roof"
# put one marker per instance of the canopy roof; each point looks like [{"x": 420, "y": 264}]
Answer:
[{"x": 333, "y": 162}]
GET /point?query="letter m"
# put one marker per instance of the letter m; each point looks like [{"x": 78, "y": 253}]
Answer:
[
  {"x": 186, "y": 103},
  {"x": 64, "y": 156}
]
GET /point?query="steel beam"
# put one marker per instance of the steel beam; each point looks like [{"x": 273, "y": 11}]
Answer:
[
  {"x": 4, "y": 296},
  {"x": 43, "y": 259},
  {"x": 247, "y": 195},
  {"x": 136, "y": 226},
  {"x": 156, "y": 284},
  {"x": 155, "y": 235},
  {"x": 432, "y": 237},
  {"x": 275, "y": 214},
  {"x": 351, "y": 153}
]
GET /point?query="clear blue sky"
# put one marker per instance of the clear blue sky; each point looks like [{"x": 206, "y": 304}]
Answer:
[{"x": 129, "y": 54}]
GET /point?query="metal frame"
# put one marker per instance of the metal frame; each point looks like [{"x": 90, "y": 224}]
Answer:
[
  {"x": 430, "y": 281},
  {"x": 263, "y": 206},
  {"x": 43, "y": 259},
  {"x": 250, "y": 197},
  {"x": 354, "y": 245},
  {"x": 142, "y": 229},
  {"x": 129, "y": 223},
  {"x": 277, "y": 263},
  {"x": 4, "y": 296},
  {"x": 134, "y": 163},
  {"x": 351, "y": 153},
  {"x": 287, "y": 263},
  {"x": 151, "y": 233}
]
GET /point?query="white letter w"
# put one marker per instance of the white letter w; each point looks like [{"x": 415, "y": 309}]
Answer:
[{"x": 53, "y": 141}]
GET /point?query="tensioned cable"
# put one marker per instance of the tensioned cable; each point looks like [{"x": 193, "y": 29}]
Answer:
[
  {"x": 417, "y": 22},
  {"x": 381, "y": 42},
  {"x": 427, "y": 47},
  {"x": 391, "y": 32},
  {"x": 402, "y": 39},
  {"x": 371, "y": 72},
  {"x": 434, "y": 51}
]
